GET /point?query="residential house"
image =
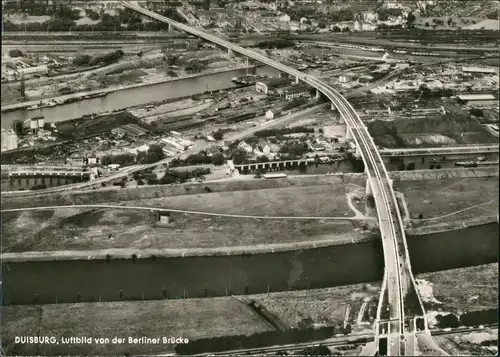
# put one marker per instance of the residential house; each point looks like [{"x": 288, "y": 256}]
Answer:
[
  {"x": 273, "y": 113},
  {"x": 92, "y": 159},
  {"x": 243, "y": 145}
]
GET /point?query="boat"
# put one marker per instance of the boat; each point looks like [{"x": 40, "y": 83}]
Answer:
[
  {"x": 32, "y": 107},
  {"x": 466, "y": 163},
  {"x": 95, "y": 95}
]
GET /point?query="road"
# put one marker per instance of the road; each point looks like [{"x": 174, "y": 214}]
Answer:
[
  {"x": 130, "y": 169},
  {"x": 397, "y": 264},
  {"x": 201, "y": 213}
]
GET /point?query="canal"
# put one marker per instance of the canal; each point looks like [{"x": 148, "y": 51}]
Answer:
[
  {"x": 150, "y": 279},
  {"x": 122, "y": 99}
]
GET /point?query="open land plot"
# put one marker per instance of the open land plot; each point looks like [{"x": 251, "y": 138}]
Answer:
[
  {"x": 434, "y": 198},
  {"x": 440, "y": 130},
  {"x": 481, "y": 343},
  {"x": 310, "y": 201},
  {"x": 325, "y": 307},
  {"x": 81, "y": 229},
  {"x": 192, "y": 319},
  {"x": 460, "y": 290}
]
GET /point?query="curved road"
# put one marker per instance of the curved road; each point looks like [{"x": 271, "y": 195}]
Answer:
[{"x": 203, "y": 213}]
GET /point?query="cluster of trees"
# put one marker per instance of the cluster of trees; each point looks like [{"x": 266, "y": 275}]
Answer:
[
  {"x": 296, "y": 148},
  {"x": 64, "y": 20},
  {"x": 199, "y": 159},
  {"x": 108, "y": 58},
  {"x": 170, "y": 176},
  {"x": 295, "y": 103},
  {"x": 218, "y": 135},
  {"x": 283, "y": 131},
  {"x": 91, "y": 14},
  {"x": 16, "y": 53},
  {"x": 154, "y": 154},
  {"x": 279, "y": 44},
  {"x": 122, "y": 159},
  {"x": 338, "y": 29},
  {"x": 261, "y": 339}
]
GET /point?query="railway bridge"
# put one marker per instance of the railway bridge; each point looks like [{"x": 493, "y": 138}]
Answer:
[{"x": 400, "y": 313}]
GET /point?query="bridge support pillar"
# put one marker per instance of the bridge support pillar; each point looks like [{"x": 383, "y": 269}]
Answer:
[
  {"x": 368, "y": 188},
  {"x": 333, "y": 107},
  {"x": 358, "y": 151},
  {"x": 348, "y": 134},
  {"x": 230, "y": 53},
  {"x": 296, "y": 80},
  {"x": 170, "y": 28},
  {"x": 318, "y": 94}
]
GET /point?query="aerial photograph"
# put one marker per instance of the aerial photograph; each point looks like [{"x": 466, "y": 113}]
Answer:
[{"x": 259, "y": 177}]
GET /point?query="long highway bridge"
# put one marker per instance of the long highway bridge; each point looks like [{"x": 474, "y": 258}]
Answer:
[{"x": 400, "y": 314}]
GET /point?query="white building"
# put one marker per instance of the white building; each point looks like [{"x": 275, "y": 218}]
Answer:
[
  {"x": 33, "y": 70},
  {"x": 34, "y": 124},
  {"x": 271, "y": 114},
  {"x": 9, "y": 140},
  {"x": 284, "y": 18},
  {"x": 174, "y": 143},
  {"x": 243, "y": 145},
  {"x": 344, "y": 78}
]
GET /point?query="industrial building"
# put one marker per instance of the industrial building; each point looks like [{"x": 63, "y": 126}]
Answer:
[
  {"x": 130, "y": 130},
  {"x": 478, "y": 70},
  {"x": 9, "y": 140},
  {"x": 296, "y": 91},
  {"x": 32, "y": 125},
  {"x": 478, "y": 100},
  {"x": 273, "y": 83}
]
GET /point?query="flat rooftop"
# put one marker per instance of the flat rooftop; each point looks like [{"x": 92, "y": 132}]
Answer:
[
  {"x": 478, "y": 70},
  {"x": 476, "y": 97}
]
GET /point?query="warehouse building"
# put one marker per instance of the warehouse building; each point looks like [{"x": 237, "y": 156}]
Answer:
[
  {"x": 295, "y": 92},
  {"x": 130, "y": 130},
  {"x": 478, "y": 70},
  {"x": 478, "y": 100},
  {"x": 271, "y": 84}
]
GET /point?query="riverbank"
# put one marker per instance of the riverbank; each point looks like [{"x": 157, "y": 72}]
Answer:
[
  {"x": 344, "y": 238},
  {"x": 62, "y": 98},
  {"x": 225, "y": 316}
]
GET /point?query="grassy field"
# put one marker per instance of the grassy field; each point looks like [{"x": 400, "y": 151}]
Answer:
[
  {"x": 473, "y": 288},
  {"x": 434, "y": 198},
  {"x": 76, "y": 229},
  {"x": 470, "y": 344},
  {"x": 319, "y": 201},
  {"x": 319, "y": 306},
  {"x": 192, "y": 319},
  {"x": 442, "y": 130}
]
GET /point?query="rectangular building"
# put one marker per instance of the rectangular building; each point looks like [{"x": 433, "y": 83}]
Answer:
[
  {"x": 130, "y": 130},
  {"x": 266, "y": 85},
  {"x": 480, "y": 100},
  {"x": 478, "y": 70},
  {"x": 296, "y": 91}
]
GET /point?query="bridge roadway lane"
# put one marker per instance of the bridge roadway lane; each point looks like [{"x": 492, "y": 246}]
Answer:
[{"x": 391, "y": 226}]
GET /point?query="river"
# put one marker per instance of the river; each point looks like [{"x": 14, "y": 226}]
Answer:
[
  {"x": 149, "y": 279},
  {"x": 122, "y": 99}
]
